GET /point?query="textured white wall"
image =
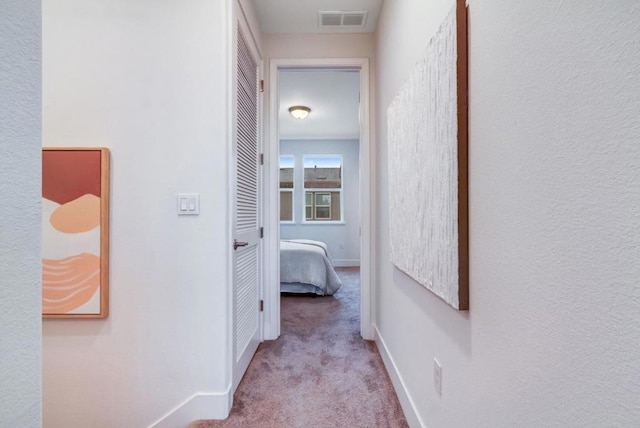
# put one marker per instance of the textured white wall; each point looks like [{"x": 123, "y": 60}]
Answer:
[
  {"x": 333, "y": 235},
  {"x": 20, "y": 172},
  {"x": 147, "y": 79},
  {"x": 552, "y": 336}
]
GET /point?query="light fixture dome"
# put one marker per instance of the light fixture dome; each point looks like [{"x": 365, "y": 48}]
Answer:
[{"x": 299, "y": 112}]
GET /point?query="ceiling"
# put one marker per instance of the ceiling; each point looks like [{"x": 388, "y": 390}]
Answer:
[
  {"x": 301, "y": 16},
  {"x": 332, "y": 96}
]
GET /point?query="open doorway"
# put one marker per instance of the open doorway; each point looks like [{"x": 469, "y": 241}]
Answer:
[
  {"x": 321, "y": 172},
  {"x": 319, "y": 163}
]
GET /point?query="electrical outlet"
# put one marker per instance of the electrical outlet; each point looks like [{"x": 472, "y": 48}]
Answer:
[{"x": 437, "y": 376}]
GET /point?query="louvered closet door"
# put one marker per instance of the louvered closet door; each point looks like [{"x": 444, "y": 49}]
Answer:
[{"x": 246, "y": 260}]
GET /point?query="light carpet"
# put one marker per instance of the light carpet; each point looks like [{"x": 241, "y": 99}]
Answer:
[{"x": 319, "y": 373}]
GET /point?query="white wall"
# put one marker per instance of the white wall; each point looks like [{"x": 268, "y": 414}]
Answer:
[
  {"x": 20, "y": 213},
  {"x": 347, "y": 234},
  {"x": 551, "y": 339},
  {"x": 319, "y": 45},
  {"x": 148, "y": 79}
]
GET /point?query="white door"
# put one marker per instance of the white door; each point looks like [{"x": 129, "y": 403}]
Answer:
[{"x": 246, "y": 226}]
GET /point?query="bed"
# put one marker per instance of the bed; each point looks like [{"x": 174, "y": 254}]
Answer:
[{"x": 306, "y": 267}]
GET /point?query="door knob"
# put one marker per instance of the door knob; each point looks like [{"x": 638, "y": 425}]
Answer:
[{"x": 237, "y": 244}]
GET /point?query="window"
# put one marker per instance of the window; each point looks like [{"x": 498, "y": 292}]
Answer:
[
  {"x": 322, "y": 188},
  {"x": 322, "y": 210},
  {"x": 286, "y": 188},
  {"x": 308, "y": 206}
]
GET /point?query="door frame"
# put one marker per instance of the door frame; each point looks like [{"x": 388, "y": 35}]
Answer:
[{"x": 271, "y": 292}]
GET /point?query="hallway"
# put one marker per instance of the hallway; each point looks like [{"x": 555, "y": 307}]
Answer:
[{"x": 319, "y": 373}]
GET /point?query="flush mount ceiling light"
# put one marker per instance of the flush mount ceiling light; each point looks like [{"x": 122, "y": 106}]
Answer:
[{"x": 299, "y": 112}]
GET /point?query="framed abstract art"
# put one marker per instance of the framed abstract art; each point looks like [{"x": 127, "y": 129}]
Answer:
[{"x": 75, "y": 232}]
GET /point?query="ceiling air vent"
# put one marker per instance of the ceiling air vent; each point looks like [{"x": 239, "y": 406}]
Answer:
[
  {"x": 344, "y": 19},
  {"x": 354, "y": 19},
  {"x": 330, "y": 19}
]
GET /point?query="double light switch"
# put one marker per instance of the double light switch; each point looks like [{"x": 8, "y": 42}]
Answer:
[{"x": 188, "y": 203}]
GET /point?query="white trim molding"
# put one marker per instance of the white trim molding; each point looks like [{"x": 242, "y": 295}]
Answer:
[
  {"x": 272, "y": 285},
  {"x": 204, "y": 405},
  {"x": 408, "y": 405}
]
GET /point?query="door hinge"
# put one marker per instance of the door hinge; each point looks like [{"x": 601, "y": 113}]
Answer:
[
  {"x": 261, "y": 305},
  {"x": 261, "y": 85},
  {"x": 261, "y": 158},
  {"x": 262, "y": 232}
]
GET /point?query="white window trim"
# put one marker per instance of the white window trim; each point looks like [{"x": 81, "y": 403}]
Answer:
[
  {"x": 322, "y": 190},
  {"x": 315, "y": 204},
  {"x": 287, "y": 189}
]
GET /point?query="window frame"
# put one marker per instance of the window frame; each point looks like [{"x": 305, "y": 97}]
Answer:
[
  {"x": 287, "y": 189},
  {"x": 316, "y": 206},
  {"x": 315, "y": 191}
]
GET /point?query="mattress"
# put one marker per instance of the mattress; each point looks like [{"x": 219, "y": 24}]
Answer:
[{"x": 306, "y": 267}]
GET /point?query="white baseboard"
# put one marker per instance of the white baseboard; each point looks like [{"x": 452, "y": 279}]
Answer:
[
  {"x": 407, "y": 403},
  {"x": 203, "y": 405},
  {"x": 346, "y": 262}
]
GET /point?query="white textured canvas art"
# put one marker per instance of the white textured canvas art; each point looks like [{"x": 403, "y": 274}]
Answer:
[{"x": 423, "y": 169}]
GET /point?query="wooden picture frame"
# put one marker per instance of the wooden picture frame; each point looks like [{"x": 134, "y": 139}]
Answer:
[
  {"x": 428, "y": 166},
  {"x": 462, "y": 82},
  {"x": 75, "y": 232}
]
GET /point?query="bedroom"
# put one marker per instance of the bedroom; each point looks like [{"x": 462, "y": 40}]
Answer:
[{"x": 319, "y": 182}]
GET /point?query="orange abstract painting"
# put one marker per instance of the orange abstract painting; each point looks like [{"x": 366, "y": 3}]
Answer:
[{"x": 75, "y": 187}]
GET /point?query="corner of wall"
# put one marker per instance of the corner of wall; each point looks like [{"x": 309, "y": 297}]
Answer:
[
  {"x": 20, "y": 220},
  {"x": 203, "y": 405}
]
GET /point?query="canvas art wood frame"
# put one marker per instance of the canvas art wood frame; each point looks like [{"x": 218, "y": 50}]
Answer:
[
  {"x": 428, "y": 166},
  {"x": 75, "y": 232}
]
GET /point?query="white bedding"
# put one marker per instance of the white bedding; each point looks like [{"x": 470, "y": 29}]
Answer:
[{"x": 305, "y": 267}]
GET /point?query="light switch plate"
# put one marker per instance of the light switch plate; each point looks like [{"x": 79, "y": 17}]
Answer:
[{"x": 188, "y": 204}]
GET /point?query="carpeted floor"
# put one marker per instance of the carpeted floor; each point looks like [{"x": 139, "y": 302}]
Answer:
[{"x": 319, "y": 373}]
